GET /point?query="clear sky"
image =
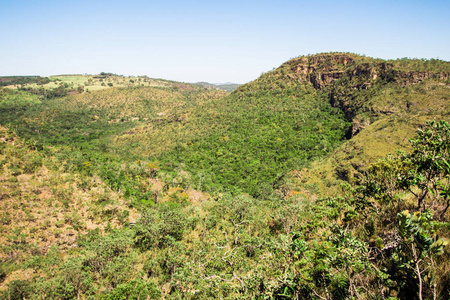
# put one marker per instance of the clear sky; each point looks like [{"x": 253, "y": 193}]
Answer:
[{"x": 214, "y": 41}]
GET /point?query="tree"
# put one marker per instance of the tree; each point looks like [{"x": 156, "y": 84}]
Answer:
[
  {"x": 159, "y": 226},
  {"x": 412, "y": 255},
  {"x": 424, "y": 174},
  {"x": 430, "y": 160},
  {"x": 414, "y": 259}
]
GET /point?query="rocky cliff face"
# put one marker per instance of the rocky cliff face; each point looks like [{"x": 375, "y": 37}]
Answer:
[
  {"x": 362, "y": 87},
  {"x": 406, "y": 78},
  {"x": 346, "y": 77},
  {"x": 323, "y": 69}
]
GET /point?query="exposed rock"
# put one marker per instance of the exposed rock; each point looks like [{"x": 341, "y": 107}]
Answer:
[
  {"x": 342, "y": 77},
  {"x": 320, "y": 80},
  {"x": 408, "y": 78},
  {"x": 358, "y": 125}
]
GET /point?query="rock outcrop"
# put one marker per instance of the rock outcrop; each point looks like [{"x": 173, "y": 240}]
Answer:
[{"x": 344, "y": 76}]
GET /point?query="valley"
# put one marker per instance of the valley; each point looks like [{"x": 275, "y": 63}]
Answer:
[{"x": 325, "y": 178}]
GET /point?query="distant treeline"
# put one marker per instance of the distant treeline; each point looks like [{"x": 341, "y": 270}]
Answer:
[
  {"x": 60, "y": 91},
  {"x": 105, "y": 75},
  {"x": 11, "y": 80}
]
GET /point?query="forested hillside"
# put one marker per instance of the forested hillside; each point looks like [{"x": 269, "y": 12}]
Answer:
[
  {"x": 290, "y": 187},
  {"x": 386, "y": 101}
]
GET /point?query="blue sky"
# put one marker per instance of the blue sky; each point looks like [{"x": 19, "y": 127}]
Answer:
[{"x": 214, "y": 41}]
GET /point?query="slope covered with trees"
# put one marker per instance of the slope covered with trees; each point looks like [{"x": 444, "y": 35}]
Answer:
[{"x": 284, "y": 189}]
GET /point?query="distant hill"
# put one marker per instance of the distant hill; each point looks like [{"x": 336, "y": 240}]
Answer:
[{"x": 229, "y": 87}]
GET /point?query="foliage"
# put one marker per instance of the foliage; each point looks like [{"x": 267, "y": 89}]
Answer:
[
  {"x": 159, "y": 226},
  {"x": 17, "y": 290},
  {"x": 78, "y": 171},
  {"x": 431, "y": 161},
  {"x": 414, "y": 261},
  {"x": 134, "y": 289},
  {"x": 22, "y": 80},
  {"x": 260, "y": 138},
  {"x": 422, "y": 174}
]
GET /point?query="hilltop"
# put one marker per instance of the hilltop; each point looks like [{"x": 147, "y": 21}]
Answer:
[{"x": 72, "y": 84}]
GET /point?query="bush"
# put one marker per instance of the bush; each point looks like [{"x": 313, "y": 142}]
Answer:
[
  {"x": 159, "y": 226},
  {"x": 17, "y": 290},
  {"x": 134, "y": 289}
]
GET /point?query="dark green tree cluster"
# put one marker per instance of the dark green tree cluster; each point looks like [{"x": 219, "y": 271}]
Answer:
[
  {"x": 375, "y": 243},
  {"x": 259, "y": 139},
  {"x": 22, "y": 80}
]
